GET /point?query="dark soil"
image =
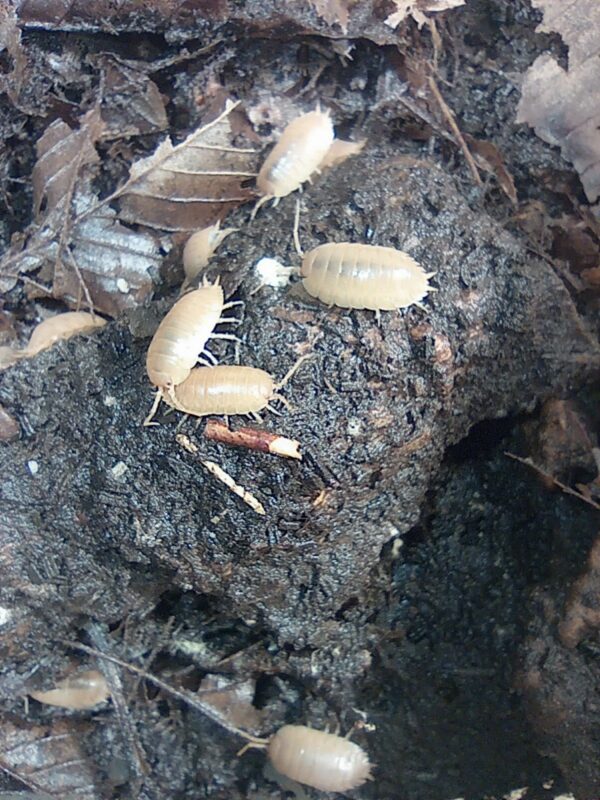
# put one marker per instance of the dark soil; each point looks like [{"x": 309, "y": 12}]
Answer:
[{"x": 418, "y": 590}]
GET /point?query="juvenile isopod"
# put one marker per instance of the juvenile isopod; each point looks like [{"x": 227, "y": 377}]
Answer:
[
  {"x": 364, "y": 276},
  {"x": 200, "y": 247},
  {"x": 80, "y": 691},
  {"x": 181, "y": 338},
  {"x": 316, "y": 758},
  {"x": 297, "y": 155}
]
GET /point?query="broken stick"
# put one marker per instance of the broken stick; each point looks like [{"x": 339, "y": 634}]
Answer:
[
  {"x": 221, "y": 475},
  {"x": 253, "y": 439}
]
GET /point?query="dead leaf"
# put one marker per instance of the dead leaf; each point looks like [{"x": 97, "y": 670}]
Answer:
[
  {"x": 61, "y": 154},
  {"x": 334, "y": 12},
  {"x": 10, "y": 40},
  {"x": 564, "y": 106},
  {"x": 231, "y": 700},
  {"x": 488, "y": 157},
  {"x": 131, "y": 104},
  {"x": 189, "y": 186},
  {"x": 80, "y": 244},
  {"x": 50, "y": 758},
  {"x": 418, "y": 10}
]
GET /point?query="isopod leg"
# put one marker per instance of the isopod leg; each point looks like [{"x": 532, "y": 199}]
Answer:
[
  {"x": 297, "y": 244},
  {"x": 293, "y": 370},
  {"x": 261, "y": 201},
  {"x": 157, "y": 398}
]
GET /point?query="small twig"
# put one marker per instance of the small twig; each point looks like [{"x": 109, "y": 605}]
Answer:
[
  {"x": 186, "y": 697},
  {"x": 82, "y": 283},
  {"x": 137, "y": 760},
  {"x": 222, "y": 476},
  {"x": 446, "y": 111},
  {"x": 252, "y": 439},
  {"x": 562, "y": 486}
]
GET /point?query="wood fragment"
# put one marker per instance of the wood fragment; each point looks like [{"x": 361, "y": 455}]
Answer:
[
  {"x": 455, "y": 130},
  {"x": 220, "y": 474},
  {"x": 554, "y": 481},
  {"x": 253, "y": 439}
]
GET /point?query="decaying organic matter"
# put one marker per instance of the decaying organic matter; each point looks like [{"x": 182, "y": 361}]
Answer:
[{"x": 395, "y": 573}]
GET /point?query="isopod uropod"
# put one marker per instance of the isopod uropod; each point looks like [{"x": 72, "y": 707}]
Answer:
[
  {"x": 228, "y": 390},
  {"x": 80, "y": 691},
  {"x": 364, "y": 276},
  {"x": 316, "y": 758},
  {"x": 296, "y": 156}
]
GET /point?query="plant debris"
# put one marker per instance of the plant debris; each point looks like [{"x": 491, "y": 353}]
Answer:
[
  {"x": 563, "y": 106},
  {"x": 418, "y": 10},
  {"x": 253, "y": 439}
]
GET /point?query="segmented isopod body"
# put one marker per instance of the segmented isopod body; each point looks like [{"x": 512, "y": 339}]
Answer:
[
  {"x": 301, "y": 149},
  {"x": 84, "y": 690},
  {"x": 200, "y": 247},
  {"x": 223, "y": 390},
  {"x": 61, "y": 326},
  {"x": 182, "y": 335},
  {"x": 364, "y": 276},
  {"x": 318, "y": 759}
]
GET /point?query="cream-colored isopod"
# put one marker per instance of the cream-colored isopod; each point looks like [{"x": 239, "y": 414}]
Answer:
[
  {"x": 318, "y": 759},
  {"x": 180, "y": 340},
  {"x": 200, "y": 247},
  {"x": 80, "y": 691},
  {"x": 297, "y": 155},
  {"x": 364, "y": 276}
]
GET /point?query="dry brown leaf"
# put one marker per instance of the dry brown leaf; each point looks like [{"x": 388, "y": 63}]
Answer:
[
  {"x": 10, "y": 40},
  {"x": 84, "y": 251},
  {"x": 418, "y": 10},
  {"x": 488, "y": 157},
  {"x": 189, "y": 186},
  {"x": 232, "y": 701},
  {"x": 564, "y": 106},
  {"x": 61, "y": 154},
  {"x": 50, "y": 758},
  {"x": 131, "y": 104},
  {"x": 334, "y": 12}
]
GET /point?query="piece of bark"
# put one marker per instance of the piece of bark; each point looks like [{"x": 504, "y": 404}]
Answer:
[{"x": 253, "y": 439}]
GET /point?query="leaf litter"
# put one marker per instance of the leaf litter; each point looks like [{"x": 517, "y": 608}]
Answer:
[
  {"x": 563, "y": 106},
  {"x": 79, "y": 243}
]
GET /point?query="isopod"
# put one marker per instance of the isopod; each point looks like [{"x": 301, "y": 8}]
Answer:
[
  {"x": 200, "y": 247},
  {"x": 181, "y": 338},
  {"x": 316, "y": 758},
  {"x": 80, "y": 691},
  {"x": 228, "y": 390},
  {"x": 364, "y": 276},
  {"x": 297, "y": 155},
  {"x": 61, "y": 326}
]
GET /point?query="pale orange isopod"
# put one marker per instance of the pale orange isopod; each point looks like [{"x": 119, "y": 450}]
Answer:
[
  {"x": 316, "y": 758},
  {"x": 80, "y": 691},
  {"x": 228, "y": 390},
  {"x": 182, "y": 335},
  {"x": 364, "y": 276},
  {"x": 224, "y": 390},
  {"x": 297, "y": 155},
  {"x": 200, "y": 247}
]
